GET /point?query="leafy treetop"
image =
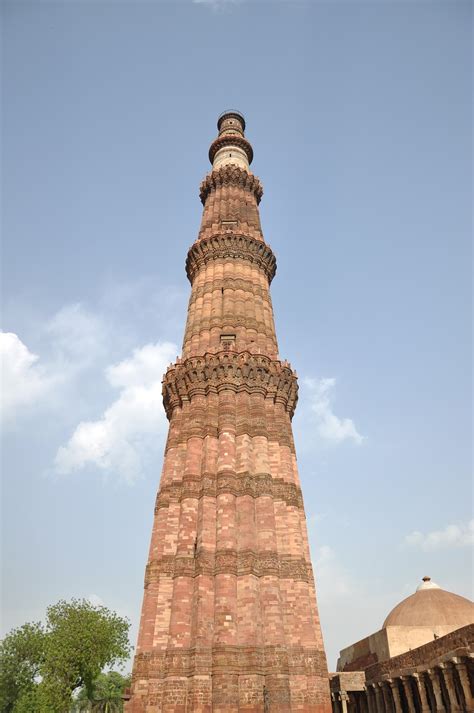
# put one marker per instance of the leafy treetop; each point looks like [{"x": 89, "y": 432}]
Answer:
[{"x": 41, "y": 665}]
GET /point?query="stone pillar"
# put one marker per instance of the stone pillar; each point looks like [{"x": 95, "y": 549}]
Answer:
[
  {"x": 379, "y": 702},
  {"x": 352, "y": 703},
  {"x": 343, "y": 697},
  {"x": 387, "y": 698},
  {"x": 370, "y": 697},
  {"x": 448, "y": 676},
  {"x": 465, "y": 683},
  {"x": 396, "y": 695},
  {"x": 425, "y": 706},
  {"x": 434, "y": 678},
  {"x": 363, "y": 705},
  {"x": 369, "y": 692},
  {"x": 406, "y": 680}
]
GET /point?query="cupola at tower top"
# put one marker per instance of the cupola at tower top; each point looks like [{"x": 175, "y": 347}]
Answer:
[
  {"x": 231, "y": 146},
  {"x": 231, "y": 119}
]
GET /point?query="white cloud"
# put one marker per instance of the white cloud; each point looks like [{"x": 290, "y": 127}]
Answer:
[
  {"x": 217, "y": 5},
  {"x": 452, "y": 536},
  {"x": 95, "y": 600},
  {"x": 332, "y": 580},
  {"x": 72, "y": 339},
  {"x": 314, "y": 518},
  {"x": 121, "y": 439},
  {"x": 329, "y": 426},
  {"x": 77, "y": 336},
  {"x": 24, "y": 380}
]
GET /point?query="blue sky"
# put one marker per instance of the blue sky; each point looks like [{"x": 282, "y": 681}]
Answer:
[{"x": 360, "y": 118}]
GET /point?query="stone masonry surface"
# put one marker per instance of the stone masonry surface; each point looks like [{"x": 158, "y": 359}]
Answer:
[{"x": 229, "y": 619}]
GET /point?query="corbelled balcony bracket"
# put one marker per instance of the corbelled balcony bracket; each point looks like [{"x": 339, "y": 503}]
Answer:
[
  {"x": 230, "y": 175},
  {"x": 230, "y": 246},
  {"x": 253, "y": 373}
]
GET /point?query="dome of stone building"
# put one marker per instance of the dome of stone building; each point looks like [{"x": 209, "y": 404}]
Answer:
[{"x": 431, "y": 606}]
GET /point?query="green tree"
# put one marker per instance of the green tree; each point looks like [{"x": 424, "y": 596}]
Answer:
[
  {"x": 42, "y": 665},
  {"x": 21, "y": 656},
  {"x": 107, "y": 693}
]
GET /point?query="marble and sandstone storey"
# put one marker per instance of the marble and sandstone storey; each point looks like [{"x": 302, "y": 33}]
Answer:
[{"x": 229, "y": 618}]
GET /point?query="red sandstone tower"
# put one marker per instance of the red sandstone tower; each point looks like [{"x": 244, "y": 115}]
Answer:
[{"x": 229, "y": 620}]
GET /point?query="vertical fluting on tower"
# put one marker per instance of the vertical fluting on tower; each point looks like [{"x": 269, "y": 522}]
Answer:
[{"x": 229, "y": 618}]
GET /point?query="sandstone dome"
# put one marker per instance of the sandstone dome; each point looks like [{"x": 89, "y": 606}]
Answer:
[{"x": 431, "y": 606}]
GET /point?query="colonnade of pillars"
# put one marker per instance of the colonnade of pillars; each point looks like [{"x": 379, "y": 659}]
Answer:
[{"x": 445, "y": 688}]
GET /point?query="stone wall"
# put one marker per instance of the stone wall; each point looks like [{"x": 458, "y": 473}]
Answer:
[
  {"x": 424, "y": 656},
  {"x": 437, "y": 677},
  {"x": 364, "y": 653}
]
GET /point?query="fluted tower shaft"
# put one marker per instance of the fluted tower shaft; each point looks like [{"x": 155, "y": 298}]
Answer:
[{"x": 229, "y": 619}]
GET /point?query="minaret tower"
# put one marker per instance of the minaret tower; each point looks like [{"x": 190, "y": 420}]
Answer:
[{"x": 229, "y": 619}]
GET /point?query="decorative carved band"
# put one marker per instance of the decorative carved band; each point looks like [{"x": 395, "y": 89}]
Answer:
[
  {"x": 196, "y": 326},
  {"x": 211, "y": 373},
  {"x": 231, "y": 283},
  {"x": 230, "y": 140},
  {"x": 240, "y": 660},
  {"x": 230, "y": 245},
  {"x": 230, "y": 175},
  {"x": 243, "y": 484},
  {"x": 271, "y": 429},
  {"x": 260, "y": 564}
]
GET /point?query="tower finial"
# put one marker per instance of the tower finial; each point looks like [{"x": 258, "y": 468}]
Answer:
[
  {"x": 231, "y": 146},
  {"x": 427, "y": 583},
  {"x": 231, "y": 114}
]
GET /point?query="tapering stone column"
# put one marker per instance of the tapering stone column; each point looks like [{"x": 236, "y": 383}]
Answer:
[
  {"x": 448, "y": 675},
  {"x": 370, "y": 697},
  {"x": 425, "y": 706},
  {"x": 387, "y": 698},
  {"x": 379, "y": 698},
  {"x": 435, "y": 682},
  {"x": 343, "y": 698},
  {"x": 362, "y": 704},
  {"x": 229, "y": 618},
  {"x": 407, "y": 687},
  {"x": 395, "y": 695},
  {"x": 461, "y": 668}
]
